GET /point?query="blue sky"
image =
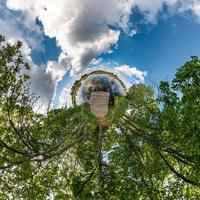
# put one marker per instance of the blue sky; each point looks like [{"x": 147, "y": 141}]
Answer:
[
  {"x": 138, "y": 40},
  {"x": 160, "y": 50}
]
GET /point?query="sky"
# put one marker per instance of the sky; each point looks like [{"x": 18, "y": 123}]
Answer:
[{"x": 139, "y": 40}]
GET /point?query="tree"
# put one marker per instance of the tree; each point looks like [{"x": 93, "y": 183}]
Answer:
[{"x": 151, "y": 151}]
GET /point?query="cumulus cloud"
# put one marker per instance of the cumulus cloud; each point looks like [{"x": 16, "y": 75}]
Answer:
[
  {"x": 130, "y": 75},
  {"x": 18, "y": 26},
  {"x": 57, "y": 69},
  {"x": 65, "y": 97},
  {"x": 151, "y": 9},
  {"x": 190, "y": 5},
  {"x": 82, "y": 28},
  {"x": 44, "y": 79}
]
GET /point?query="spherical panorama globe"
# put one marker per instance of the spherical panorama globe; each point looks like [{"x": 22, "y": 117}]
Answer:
[{"x": 99, "y": 90}]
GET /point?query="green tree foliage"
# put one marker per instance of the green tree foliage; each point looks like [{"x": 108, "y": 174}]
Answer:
[{"x": 150, "y": 151}]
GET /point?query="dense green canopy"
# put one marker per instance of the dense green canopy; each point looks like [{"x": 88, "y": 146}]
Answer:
[{"x": 151, "y": 150}]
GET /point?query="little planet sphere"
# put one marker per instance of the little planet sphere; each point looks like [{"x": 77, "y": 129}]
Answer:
[{"x": 99, "y": 89}]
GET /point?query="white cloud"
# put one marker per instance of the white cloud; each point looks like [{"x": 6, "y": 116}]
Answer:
[
  {"x": 15, "y": 26},
  {"x": 190, "y": 5},
  {"x": 150, "y": 9},
  {"x": 44, "y": 80},
  {"x": 82, "y": 28},
  {"x": 130, "y": 75},
  {"x": 65, "y": 97},
  {"x": 58, "y": 68}
]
